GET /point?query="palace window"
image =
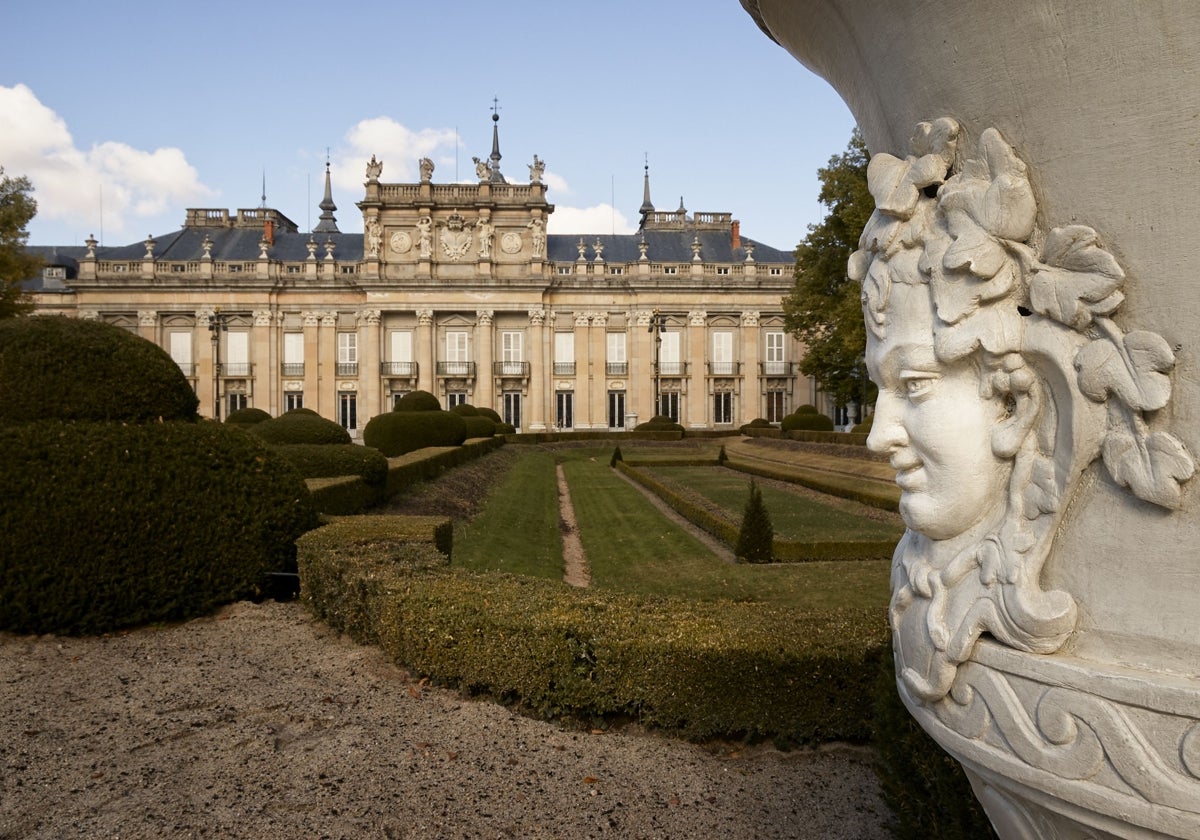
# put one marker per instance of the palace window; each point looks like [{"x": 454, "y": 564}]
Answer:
[
  {"x": 293, "y": 354},
  {"x": 774, "y": 364},
  {"x": 616, "y": 270},
  {"x": 723, "y": 270},
  {"x": 670, "y": 269},
  {"x": 348, "y": 410},
  {"x": 564, "y": 353},
  {"x": 776, "y": 406},
  {"x": 564, "y": 409},
  {"x": 512, "y": 353},
  {"x": 454, "y": 398},
  {"x": 293, "y": 400},
  {"x": 616, "y": 409},
  {"x": 723, "y": 407},
  {"x": 347, "y": 350},
  {"x": 510, "y": 404},
  {"x": 776, "y": 272}
]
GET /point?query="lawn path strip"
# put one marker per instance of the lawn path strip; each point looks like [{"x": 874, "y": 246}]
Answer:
[
  {"x": 710, "y": 542},
  {"x": 575, "y": 565}
]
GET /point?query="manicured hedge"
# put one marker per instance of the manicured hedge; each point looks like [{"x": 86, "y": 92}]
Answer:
[
  {"x": 300, "y": 425},
  {"x": 418, "y": 401},
  {"x": 398, "y": 432},
  {"x": 344, "y": 495},
  {"x": 406, "y": 470},
  {"x": 491, "y": 414},
  {"x": 247, "y": 416},
  {"x": 324, "y": 460},
  {"x": 479, "y": 426},
  {"x": 883, "y": 497},
  {"x": 807, "y": 421},
  {"x": 658, "y": 423},
  {"x": 701, "y": 669},
  {"x": 70, "y": 369},
  {"x": 465, "y": 410},
  {"x": 107, "y": 525}
]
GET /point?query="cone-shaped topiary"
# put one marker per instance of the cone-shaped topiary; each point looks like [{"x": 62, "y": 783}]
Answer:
[
  {"x": 721, "y": 456},
  {"x": 71, "y": 369},
  {"x": 418, "y": 401},
  {"x": 616, "y": 456},
  {"x": 756, "y": 536}
]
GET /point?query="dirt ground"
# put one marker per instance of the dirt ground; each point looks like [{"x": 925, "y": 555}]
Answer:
[{"x": 262, "y": 722}]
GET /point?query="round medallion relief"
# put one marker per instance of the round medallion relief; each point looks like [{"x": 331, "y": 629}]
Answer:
[
  {"x": 510, "y": 243},
  {"x": 401, "y": 242}
]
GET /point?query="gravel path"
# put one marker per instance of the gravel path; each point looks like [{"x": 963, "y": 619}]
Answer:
[{"x": 262, "y": 722}]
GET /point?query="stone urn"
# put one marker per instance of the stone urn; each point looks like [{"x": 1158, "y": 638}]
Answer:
[{"x": 1034, "y": 327}]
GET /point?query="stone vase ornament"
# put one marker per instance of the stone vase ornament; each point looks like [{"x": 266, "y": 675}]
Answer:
[{"x": 1031, "y": 317}]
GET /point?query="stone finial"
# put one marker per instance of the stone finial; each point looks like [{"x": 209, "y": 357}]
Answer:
[
  {"x": 329, "y": 246},
  {"x": 598, "y": 248},
  {"x": 642, "y": 248},
  {"x": 581, "y": 246},
  {"x": 696, "y": 248},
  {"x": 91, "y": 244},
  {"x": 263, "y": 245},
  {"x": 207, "y": 246},
  {"x": 149, "y": 243},
  {"x": 311, "y": 247},
  {"x": 749, "y": 252}
]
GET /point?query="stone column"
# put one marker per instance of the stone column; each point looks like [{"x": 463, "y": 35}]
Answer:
[
  {"x": 583, "y": 370},
  {"x": 596, "y": 415},
  {"x": 696, "y": 353},
  {"x": 485, "y": 343},
  {"x": 327, "y": 366},
  {"x": 369, "y": 379},
  {"x": 426, "y": 358},
  {"x": 541, "y": 369},
  {"x": 750, "y": 384},
  {"x": 264, "y": 383},
  {"x": 312, "y": 357},
  {"x": 640, "y": 391}
]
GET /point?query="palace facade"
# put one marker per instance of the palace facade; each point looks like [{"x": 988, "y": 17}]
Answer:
[{"x": 457, "y": 289}]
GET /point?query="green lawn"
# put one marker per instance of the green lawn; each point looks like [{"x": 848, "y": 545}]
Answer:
[
  {"x": 631, "y": 547},
  {"x": 793, "y": 516},
  {"x": 517, "y": 531}
]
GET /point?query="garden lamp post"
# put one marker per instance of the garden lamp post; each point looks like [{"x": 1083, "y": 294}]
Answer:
[
  {"x": 217, "y": 324},
  {"x": 656, "y": 325}
]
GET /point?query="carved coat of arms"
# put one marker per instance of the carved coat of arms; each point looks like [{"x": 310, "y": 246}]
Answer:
[{"x": 455, "y": 238}]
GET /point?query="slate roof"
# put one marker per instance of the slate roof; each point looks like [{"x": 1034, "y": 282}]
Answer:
[{"x": 674, "y": 246}]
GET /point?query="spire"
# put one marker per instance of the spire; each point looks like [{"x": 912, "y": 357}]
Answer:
[
  {"x": 264, "y": 192},
  {"x": 647, "y": 205},
  {"x": 497, "y": 178},
  {"x": 327, "y": 222}
]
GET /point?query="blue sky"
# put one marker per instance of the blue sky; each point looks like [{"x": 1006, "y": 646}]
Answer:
[{"x": 124, "y": 114}]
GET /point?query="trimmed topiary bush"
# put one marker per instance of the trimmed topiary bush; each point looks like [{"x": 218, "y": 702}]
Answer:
[
  {"x": 491, "y": 414},
  {"x": 616, "y": 456},
  {"x": 756, "y": 534},
  {"x": 418, "y": 401},
  {"x": 865, "y": 426},
  {"x": 398, "y": 432},
  {"x": 925, "y": 788},
  {"x": 247, "y": 416},
  {"x": 479, "y": 426},
  {"x": 806, "y": 409},
  {"x": 758, "y": 423},
  {"x": 301, "y": 425},
  {"x": 808, "y": 422},
  {"x": 70, "y": 369},
  {"x": 503, "y": 428},
  {"x": 108, "y": 525},
  {"x": 324, "y": 460},
  {"x": 658, "y": 423},
  {"x": 465, "y": 410}
]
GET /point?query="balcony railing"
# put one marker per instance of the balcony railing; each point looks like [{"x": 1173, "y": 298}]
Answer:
[
  {"x": 408, "y": 369},
  {"x": 466, "y": 369},
  {"x": 724, "y": 368},
  {"x": 237, "y": 370},
  {"x": 616, "y": 369},
  {"x": 510, "y": 368},
  {"x": 775, "y": 368},
  {"x": 564, "y": 368},
  {"x": 347, "y": 369},
  {"x": 292, "y": 368},
  {"x": 672, "y": 368}
]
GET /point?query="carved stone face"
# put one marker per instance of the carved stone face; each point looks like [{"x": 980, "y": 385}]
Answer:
[{"x": 933, "y": 424}]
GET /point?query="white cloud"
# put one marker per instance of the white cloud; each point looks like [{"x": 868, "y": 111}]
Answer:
[
  {"x": 556, "y": 183},
  {"x": 67, "y": 181},
  {"x": 600, "y": 218},
  {"x": 398, "y": 147}
]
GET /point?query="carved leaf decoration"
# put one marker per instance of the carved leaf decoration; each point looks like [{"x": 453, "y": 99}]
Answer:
[
  {"x": 973, "y": 248},
  {"x": 995, "y": 329},
  {"x": 939, "y": 137},
  {"x": 896, "y": 184},
  {"x": 1007, "y": 208},
  {"x": 1135, "y": 371},
  {"x": 1078, "y": 280},
  {"x": 1153, "y": 468}
]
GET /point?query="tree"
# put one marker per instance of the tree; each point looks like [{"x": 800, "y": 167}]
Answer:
[
  {"x": 17, "y": 265},
  {"x": 757, "y": 535},
  {"x": 823, "y": 308}
]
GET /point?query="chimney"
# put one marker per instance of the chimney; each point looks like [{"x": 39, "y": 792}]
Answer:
[
  {"x": 737, "y": 234},
  {"x": 269, "y": 231}
]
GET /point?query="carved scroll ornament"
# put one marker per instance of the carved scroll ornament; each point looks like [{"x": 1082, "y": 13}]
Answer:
[{"x": 1002, "y": 376}]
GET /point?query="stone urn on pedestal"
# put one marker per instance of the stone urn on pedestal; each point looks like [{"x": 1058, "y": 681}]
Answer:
[{"x": 1032, "y": 320}]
